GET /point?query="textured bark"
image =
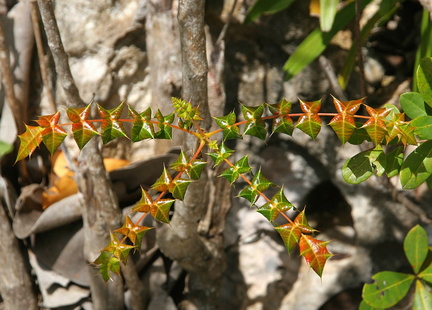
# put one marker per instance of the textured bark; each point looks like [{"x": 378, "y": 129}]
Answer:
[
  {"x": 194, "y": 238},
  {"x": 15, "y": 282},
  {"x": 101, "y": 213}
]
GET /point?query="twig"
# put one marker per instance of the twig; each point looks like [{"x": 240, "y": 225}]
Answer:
[
  {"x": 332, "y": 78},
  {"x": 357, "y": 36}
]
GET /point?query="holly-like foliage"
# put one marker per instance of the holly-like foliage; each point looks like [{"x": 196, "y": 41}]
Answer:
[{"x": 386, "y": 127}]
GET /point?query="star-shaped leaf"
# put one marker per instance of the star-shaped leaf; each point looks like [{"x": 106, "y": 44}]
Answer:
[
  {"x": 315, "y": 253},
  {"x": 82, "y": 129},
  {"x": 192, "y": 169},
  {"x": 279, "y": 203},
  {"x": 52, "y": 135},
  {"x": 142, "y": 127},
  {"x": 161, "y": 208},
  {"x": 107, "y": 263},
  {"x": 230, "y": 131},
  {"x": 258, "y": 185},
  {"x": 134, "y": 232},
  {"x": 343, "y": 123},
  {"x": 222, "y": 153},
  {"x": 29, "y": 141},
  {"x": 310, "y": 122},
  {"x": 178, "y": 188},
  {"x": 240, "y": 167},
  {"x": 255, "y": 125},
  {"x": 163, "y": 183},
  {"x": 164, "y": 121},
  {"x": 112, "y": 127},
  {"x": 375, "y": 126}
]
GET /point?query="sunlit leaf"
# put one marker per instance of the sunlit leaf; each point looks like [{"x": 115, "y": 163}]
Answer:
[
  {"x": 394, "y": 162},
  {"x": 423, "y": 127},
  {"x": 416, "y": 247},
  {"x": 226, "y": 123},
  {"x": 422, "y": 296},
  {"x": 178, "y": 188},
  {"x": 290, "y": 235},
  {"x": 192, "y": 169},
  {"x": 255, "y": 125},
  {"x": 315, "y": 253},
  {"x": 413, "y": 105},
  {"x": 112, "y": 127},
  {"x": 310, "y": 122},
  {"x": 302, "y": 223},
  {"x": 144, "y": 204},
  {"x": 417, "y": 167},
  {"x": 343, "y": 123},
  {"x": 222, "y": 153},
  {"x": 52, "y": 135},
  {"x": 387, "y": 289},
  {"x": 258, "y": 185},
  {"x": 358, "y": 168},
  {"x": 82, "y": 129},
  {"x": 164, "y": 121},
  {"x": 328, "y": 9},
  {"x": 279, "y": 203},
  {"x": 160, "y": 209},
  {"x": 375, "y": 126},
  {"x": 240, "y": 167},
  {"x": 118, "y": 249},
  {"x": 163, "y": 182},
  {"x": 107, "y": 263},
  {"x": 29, "y": 141},
  {"x": 142, "y": 127},
  {"x": 424, "y": 79}
]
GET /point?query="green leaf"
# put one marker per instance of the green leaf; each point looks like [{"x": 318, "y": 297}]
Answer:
[
  {"x": 317, "y": 41},
  {"x": 394, "y": 162},
  {"x": 258, "y": 185},
  {"x": 230, "y": 131},
  {"x": 279, "y": 203},
  {"x": 240, "y": 167},
  {"x": 266, "y": 7},
  {"x": 107, "y": 263},
  {"x": 178, "y": 188},
  {"x": 5, "y": 148},
  {"x": 365, "y": 306},
  {"x": 426, "y": 274},
  {"x": 163, "y": 183},
  {"x": 144, "y": 204},
  {"x": 375, "y": 126},
  {"x": 165, "y": 130},
  {"x": 378, "y": 159},
  {"x": 142, "y": 127},
  {"x": 423, "y": 127},
  {"x": 315, "y": 253},
  {"x": 160, "y": 209},
  {"x": 112, "y": 127},
  {"x": 413, "y": 105},
  {"x": 358, "y": 168},
  {"x": 416, "y": 247},
  {"x": 417, "y": 167},
  {"x": 422, "y": 297},
  {"x": 222, "y": 153},
  {"x": 29, "y": 141},
  {"x": 134, "y": 232},
  {"x": 387, "y": 289},
  {"x": 424, "y": 79},
  {"x": 290, "y": 235},
  {"x": 255, "y": 125},
  {"x": 328, "y": 9},
  {"x": 52, "y": 135},
  {"x": 82, "y": 129},
  {"x": 310, "y": 122}
]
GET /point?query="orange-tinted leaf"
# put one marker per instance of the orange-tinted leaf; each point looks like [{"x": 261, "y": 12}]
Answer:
[
  {"x": 134, "y": 232},
  {"x": 310, "y": 122},
  {"x": 315, "y": 252},
  {"x": 303, "y": 224},
  {"x": 160, "y": 209},
  {"x": 290, "y": 235},
  {"x": 52, "y": 135},
  {"x": 343, "y": 123},
  {"x": 82, "y": 129},
  {"x": 30, "y": 140},
  {"x": 144, "y": 204},
  {"x": 112, "y": 127},
  {"x": 163, "y": 183},
  {"x": 375, "y": 126}
]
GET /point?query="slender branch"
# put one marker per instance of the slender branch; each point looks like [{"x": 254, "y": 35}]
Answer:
[{"x": 358, "y": 40}]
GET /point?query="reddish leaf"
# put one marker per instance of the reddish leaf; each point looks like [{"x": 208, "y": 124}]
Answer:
[
  {"x": 112, "y": 127},
  {"x": 134, "y": 232},
  {"x": 52, "y": 135},
  {"x": 303, "y": 224},
  {"x": 163, "y": 182},
  {"x": 82, "y": 129},
  {"x": 343, "y": 123},
  {"x": 160, "y": 209},
  {"x": 30, "y": 140},
  {"x": 144, "y": 204},
  {"x": 142, "y": 127},
  {"x": 315, "y": 252},
  {"x": 310, "y": 122},
  {"x": 375, "y": 126},
  {"x": 118, "y": 249}
]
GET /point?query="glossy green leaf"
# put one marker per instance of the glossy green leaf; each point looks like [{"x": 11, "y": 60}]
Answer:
[
  {"x": 378, "y": 159},
  {"x": 240, "y": 167},
  {"x": 161, "y": 208},
  {"x": 416, "y": 247},
  {"x": 163, "y": 183},
  {"x": 358, "y": 168},
  {"x": 423, "y": 127},
  {"x": 400, "y": 130},
  {"x": 178, "y": 188},
  {"x": 309, "y": 122},
  {"x": 424, "y": 79},
  {"x": 365, "y": 306},
  {"x": 118, "y": 249},
  {"x": 261, "y": 7},
  {"x": 422, "y": 296},
  {"x": 5, "y": 148},
  {"x": 226, "y": 123},
  {"x": 394, "y": 162},
  {"x": 52, "y": 135},
  {"x": 192, "y": 169},
  {"x": 426, "y": 274},
  {"x": 255, "y": 125},
  {"x": 29, "y": 141},
  {"x": 359, "y": 135},
  {"x": 279, "y": 203},
  {"x": 258, "y": 185},
  {"x": 417, "y": 167},
  {"x": 164, "y": 121},
  {"x": 107, "y": 263},
  {"x": 82, "y": 129},
  {"x": 222, "y": 153},
  {"x": 142, "y": 127},
  {"x": 144, "y": 204},
  {"x": 413, "y": 105},
  {"x": 315, "y": 253},
  {"x": 387, "y": 289},
  {"x": 112, "y": 128},
  {"x": 328, "y": 9}
]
